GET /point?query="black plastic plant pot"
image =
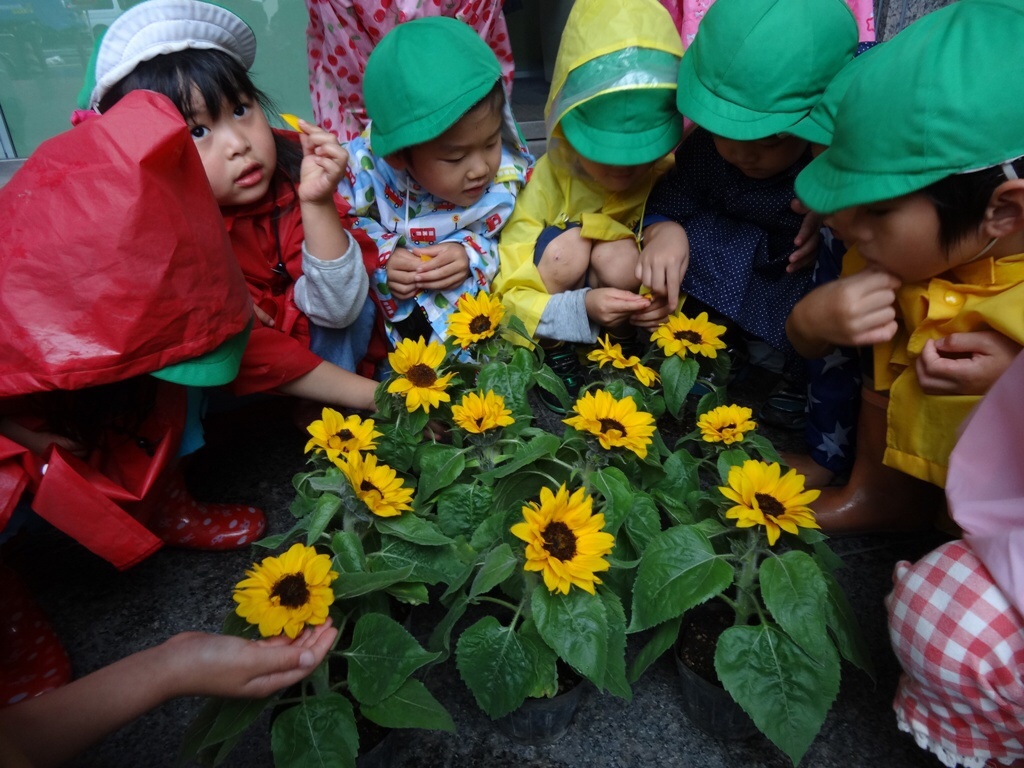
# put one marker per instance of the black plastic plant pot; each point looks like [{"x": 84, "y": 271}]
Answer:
[
  {"x": 710, "y": 707},
  {"x": 542, "y": 721}
]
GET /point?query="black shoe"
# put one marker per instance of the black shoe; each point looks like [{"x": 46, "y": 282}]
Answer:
[
  {"x": 786, "y": 405},
  {"x": 565, "y": 363}
]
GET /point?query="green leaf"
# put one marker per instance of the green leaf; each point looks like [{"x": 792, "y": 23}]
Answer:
[
  {"x": 523, "y": 485},
  {"x": 794, "y": 594},
  {"x": 440, "y": 638},
  {"x": 395, "y": 448},
  {"x": 615, "y": 672},
  {"x": 348, "y": 551},
  {"x": 382, "y": 655},
  {"x": 663, "y": 638},
  {"x": 763, "y": 446},
  {"x": 543, "y": 445},
  {"x": 842, "y": 620},
  {"x": 497, "y": 566},
  {"x": 575, "y": 625},
  {"x": 786, "y": 693},
  {"x": 729, "y": 459},
  {"x": 461, "y": 508},
  {"x": 498, "y": 665},
  {"x": 275, "y": 542},
  {"x": 349, "y": 585},
  {"x": 218, "y": 727},
  {"x": 617, "y": 492},
  {"x": 431, "y": 565},
  {"x": 412, "y": 528},
  {"x": 510, "y": 380},
  {"x": 677, "y": 377},
  {"x": 679, "y": 570},
  {"x": 713, "y": 399},
  {"x": 409, "y": 592},
  {"x": 323, "y": 512},
  {"x": 411, "y": 706},
  {"x": 681, "y": 475},
  {"x": 551, "y": 382},
  {"x": 437, "y": 467},
  {"x": 318, "y": 733},
  {"x": 489, "y": 532},
  {"x": 643, "y": 523},
  {"x": 545, "y": 669}
]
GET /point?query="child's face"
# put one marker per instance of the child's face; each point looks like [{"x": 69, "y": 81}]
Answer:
[
  {"x": 615, "y": 178},
  {"x": 901, "y": 236},
  {"x": 237, "y": 150},
  {"x": 460, "y": 164},
  {"x": 763, "y": 158}
]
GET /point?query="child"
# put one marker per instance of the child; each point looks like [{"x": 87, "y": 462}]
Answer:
[
  {"x": 571, "y": 259},
  {"x": 435, "y": 176},
  {"x": 747, "y": 81},
  {"x": 302, "y": 267},
  {"x": 941, "y": 293}
]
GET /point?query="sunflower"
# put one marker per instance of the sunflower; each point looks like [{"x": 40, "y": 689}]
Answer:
[
  {"x": 762, "y": 497},
  {"x": 416, "y": 363},
  {"x": 477, "y": 318},
  {"x": 726, "y": 424},
  {"x": 646, "y": 376},
  {"x": 681, "y": 335},
  {"x": 335, "y": 434},
  {"x": 478, "y": 413},
  {"x": 285, "y": 593},
  {"x": 615, "y": 423},
  {"x": 612, "y": 353},
  {"x": 378, "y": 486},
  {"x": 564, "y": 541}
]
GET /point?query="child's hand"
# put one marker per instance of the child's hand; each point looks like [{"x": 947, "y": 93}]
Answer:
[
  {"x": 807, "y": 239},
  {"x": 442, "y": 266},
  {"x": 220, "y": 665},
  {"x": 402, "y": 266},
  {"x": 323, "y": 164},
  {"x": 964, "y": 363},
  {"x": 852, "y": 311},
  {"x": 664, "y": 259},
  {"x": 654, "y": 315},
  {"x": 614, "y": 306}
]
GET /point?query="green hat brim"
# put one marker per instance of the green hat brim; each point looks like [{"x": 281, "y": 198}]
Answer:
[
  {"x": 724, "y": 118},
  {"x": 214, "y": 369},
  {"x": 811, "y": 130},
  {"x": 597, "y": 131}
]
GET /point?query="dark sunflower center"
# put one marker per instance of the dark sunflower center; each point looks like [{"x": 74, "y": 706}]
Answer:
[
  {"x": 607, "y": 425},
  {"x": 366, "y": 486},
  {"x": 560, "y": 541},
  {"x": 291, "y": 590},
  {"x": 691, "y": 336},
  {"x": 728, "y": 426},
  {"x": 421, "y": 375},
  {"x": 770, "y": 505},
  {"x": 480, "y": 421},
  {"x": 479, "y": 324},
  {"x": 345, "y": 434}
]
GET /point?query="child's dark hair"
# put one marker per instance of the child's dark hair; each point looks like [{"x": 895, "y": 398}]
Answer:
[
  {"x": 961, "y": 200},
  {"x": 216, "y": 76}
]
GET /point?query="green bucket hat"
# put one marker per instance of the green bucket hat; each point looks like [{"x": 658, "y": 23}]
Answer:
[
  {"x": 214, "y": 369},
  {"x": 757, "y": 67},
  {"x": 627, "y": 127},
  {"x": 421, "y": 78},
  {"x": 819, "y": 125},
  {"x": 956, "y": 106}
]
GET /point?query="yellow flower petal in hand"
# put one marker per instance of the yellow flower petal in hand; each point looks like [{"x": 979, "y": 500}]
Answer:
[
  {"x": 679, "y": 335},
  {"x": 764, "y": 496},
  {"x": 726, "y": 424},
  {"x": 335, "y": 434},
  {"x": 564, "y": 541},
  {"x": 292, "y": 121},
  {"x": 615, "y": 423},
  {"x": 478, "y": 413},
  {"x": 477, "y": 318},
  {"x": 285, "y": 593},
  {"x": 416, "y": 364},
  {"x": 378, "y": 486}
]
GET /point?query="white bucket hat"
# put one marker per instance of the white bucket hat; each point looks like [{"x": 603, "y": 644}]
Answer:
[{"x": 157, "y": 27}]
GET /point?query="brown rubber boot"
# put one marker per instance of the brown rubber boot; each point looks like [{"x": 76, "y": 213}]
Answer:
[{"x": 877, "y": 498}]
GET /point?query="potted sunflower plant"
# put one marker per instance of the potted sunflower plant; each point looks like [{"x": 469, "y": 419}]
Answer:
[
  {"x": 361, "y": 554},
  {"x": 740, "y": 572}
]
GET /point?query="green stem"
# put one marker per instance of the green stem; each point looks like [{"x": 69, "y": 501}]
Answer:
[
  {"x": 498, "y": 601},
  {"x": 746, "y": 601}
]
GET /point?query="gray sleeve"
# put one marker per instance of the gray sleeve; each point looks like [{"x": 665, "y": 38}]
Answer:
[
  {"x": 332, "y": 293},
  {"x": 565, "y": 318}
]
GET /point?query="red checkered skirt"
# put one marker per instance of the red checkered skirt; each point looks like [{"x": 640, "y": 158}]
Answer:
[{"x": 961, "y": 646}]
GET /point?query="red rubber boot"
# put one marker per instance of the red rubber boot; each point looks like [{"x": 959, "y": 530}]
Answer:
[
  {"x": 32, "y": 660},
  {"x": 181, "y": 521}
]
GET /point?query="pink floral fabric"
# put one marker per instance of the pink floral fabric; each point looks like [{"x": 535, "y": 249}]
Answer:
[
  {"x": 342, "y": 33},
  {"x": 688, "y": 13}
]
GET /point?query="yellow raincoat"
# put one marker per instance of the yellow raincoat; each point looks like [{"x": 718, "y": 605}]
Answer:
[
  {"x": 559, "y": 191},
  {"x": 981, "y": 295}
]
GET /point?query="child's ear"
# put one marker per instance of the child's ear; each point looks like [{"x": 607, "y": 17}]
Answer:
[
  {"x": 1005, "y": 212},
  {"x": 398, "y": 160}
]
